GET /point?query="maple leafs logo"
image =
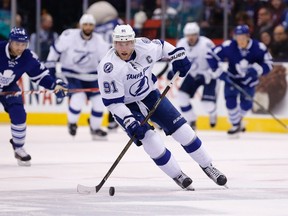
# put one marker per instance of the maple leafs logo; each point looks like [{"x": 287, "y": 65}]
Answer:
[{"x": 6, "y": 78}]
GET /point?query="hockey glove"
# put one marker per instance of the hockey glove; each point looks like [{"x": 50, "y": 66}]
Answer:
[
  {"x": 224, "y": 77},
  {"x": 170, "y": 75},
  {"x": 61, "y": 89},
  {"x": 180, "y": 61},
  {"x": 251, "y": 78},
  {"x": 133, "y": 128}
]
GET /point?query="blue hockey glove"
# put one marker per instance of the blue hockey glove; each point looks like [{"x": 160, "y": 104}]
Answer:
[
  {"x": 170, "y": 75},
  {"x": 251, "y": 78},
  {"x": 180, "y": 61},
  {"x": 224, "y": 77},
  {"x": 133, "y": 128},
  {"x": 61, "y": 89}
]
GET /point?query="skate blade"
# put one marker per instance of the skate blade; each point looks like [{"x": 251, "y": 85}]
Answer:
[
  {"x": 226, "y": 186},
  {"x": 23, "y": 163},
  {"x": 189, "y": 188},
  {"x": 96, "y": 137},
  {"x": 234, "y": 136}
]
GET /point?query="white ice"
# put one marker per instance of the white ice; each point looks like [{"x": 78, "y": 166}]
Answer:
[{"x": 256, "y": 166}]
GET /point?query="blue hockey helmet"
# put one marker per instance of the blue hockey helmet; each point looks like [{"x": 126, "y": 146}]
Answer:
[
  {"x": 241, "y": 29},
  {"x": 18, "y": 34}
]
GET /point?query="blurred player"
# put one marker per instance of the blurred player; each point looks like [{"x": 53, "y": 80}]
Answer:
[
  {"x": 16, "y": 60},
  {"x": 107, "y": 18},
  {"x": 247, "y": 59},
  {"x": 197, "y": 47},
  {"x": 128, "y": 89},
  {"x": 79, "y": 52}
]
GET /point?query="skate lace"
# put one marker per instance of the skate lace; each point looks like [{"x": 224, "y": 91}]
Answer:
[
  {"x": 213, "y": 172},
  {"x": 21, "y": 152}
]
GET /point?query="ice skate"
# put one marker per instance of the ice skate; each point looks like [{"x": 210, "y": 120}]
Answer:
[
  {"x": 214, "y": 174},
  {"x": 184, "y": 181},
  {"x": 23, "y": 159},
  {"x": 213, "y": 120},
  {"x": 97, "y": 134},
  {"x": 236, "y": 130},
  {"x": 72, "y": 128},
  {"x": 112, "y": 126}
]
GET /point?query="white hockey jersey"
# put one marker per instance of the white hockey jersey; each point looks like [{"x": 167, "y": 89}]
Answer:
[
  {"x": 131, "y": 81},
  {"x": 197, "y": 55},
  {"x": 79, "y": 58}
]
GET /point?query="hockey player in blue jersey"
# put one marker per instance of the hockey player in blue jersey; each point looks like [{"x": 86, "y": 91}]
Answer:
[
  {"x": 247, "y": 59},
  {"x": 17, "y": 59},
  {"x": 127, "y": 86}
]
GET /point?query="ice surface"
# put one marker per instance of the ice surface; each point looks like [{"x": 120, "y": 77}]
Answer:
[{"x": 256, "y": 166}]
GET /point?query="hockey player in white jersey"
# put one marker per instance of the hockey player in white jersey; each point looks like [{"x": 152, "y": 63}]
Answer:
[
  {"x": 79, "y": 51},
  {"x": 17, "y": 59},
  {"x": 196, "y": 47},
  {"x": 128, "y": 89}
]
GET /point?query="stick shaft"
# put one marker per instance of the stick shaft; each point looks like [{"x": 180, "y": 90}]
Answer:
[
  {"x": 30, "y": 92},
  {"x": 99, "y": 186}
]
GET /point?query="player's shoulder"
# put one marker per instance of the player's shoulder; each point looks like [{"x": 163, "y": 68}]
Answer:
[
  {"x": 70, "y": 32},
  {"x": 259, "y": 45},
  {"x": 110, "y": 63},
  {"x": 205, "y": 39},
  {"x": 182, "y": 42},
  {"x": 228, "y": 43}
]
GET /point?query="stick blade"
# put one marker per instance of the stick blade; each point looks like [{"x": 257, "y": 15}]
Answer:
[{"x": 82, "y": 189}]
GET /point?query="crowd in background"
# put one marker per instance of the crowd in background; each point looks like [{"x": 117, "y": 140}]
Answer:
[{"x": 267, "y": 19}]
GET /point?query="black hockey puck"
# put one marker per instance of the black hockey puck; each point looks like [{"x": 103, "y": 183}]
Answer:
[{"x": 111, "y": 191}]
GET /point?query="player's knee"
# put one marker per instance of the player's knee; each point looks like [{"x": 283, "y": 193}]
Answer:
[
  {"x": 183, "y": 98},
  {"x": 209, "y": 106},
  {"x": 231, "y": 102},
  {"x": 77, "y": 100},
  {"x": 97, "y": 103},
  {"x": 17, "y": 114},
  {"x": 184, "y": 135},
  {"x": 246, "y": 105}
]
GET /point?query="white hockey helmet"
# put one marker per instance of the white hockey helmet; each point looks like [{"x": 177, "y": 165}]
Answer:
[
  {"x": 87, "y": 19},
  {"x": 123, "y": 33},
  {"x": 191, "y": 28}
]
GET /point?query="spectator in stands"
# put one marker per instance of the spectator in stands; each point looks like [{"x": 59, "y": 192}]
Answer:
[
  {"x": 266, "y": 38},
  {"x": 46, "y": 36},
  {"x": 170, "y": 12},
  {"x": 279, "y": 11},
  {"x": 212, "y": 19},
  {"x": 264, "y": 22},
  {"x": 248, "y": 6},
  {"x": 242, "y": 18},
  {"x": 279, "y": 46},
  {"x": 5, "y": 18},
  {"x": 170, "y": 15}
]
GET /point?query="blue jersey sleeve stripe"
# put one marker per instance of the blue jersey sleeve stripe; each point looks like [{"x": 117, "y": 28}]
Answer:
[{"x": 108, "y": 102}]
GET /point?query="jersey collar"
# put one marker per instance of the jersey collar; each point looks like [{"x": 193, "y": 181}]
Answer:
[
  {"x": 8, "y": 54},
  {"x": 132, "y": 57}
]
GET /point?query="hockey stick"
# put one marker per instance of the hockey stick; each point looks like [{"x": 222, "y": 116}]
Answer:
[
  {"x": 256, "y": 102},
  {"x": 86, "y": 189},
  {"x": 16, "y": 93}
]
